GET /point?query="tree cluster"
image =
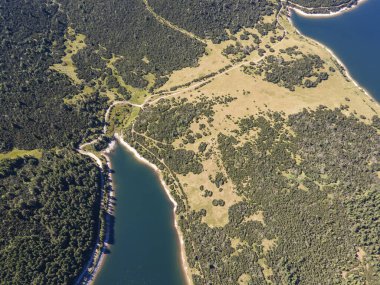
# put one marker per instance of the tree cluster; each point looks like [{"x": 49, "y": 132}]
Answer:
[{"x": 304, "y": 71}]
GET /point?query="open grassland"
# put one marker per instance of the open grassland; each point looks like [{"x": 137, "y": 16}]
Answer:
[
  {"x": 37, "y": 153},
  {"x": 210, "y": 62},
  {"x": 216, "y": 216},
  {"x": 214, "y": 60},
  {"x": 254, "y": 94}
]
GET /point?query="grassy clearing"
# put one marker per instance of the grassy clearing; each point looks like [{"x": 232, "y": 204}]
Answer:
[
  {"x": 120, "y": 117},
  {"x": 15, "y": 153},
  {"x": 267, "y": 271},
  {"x": 210, "y": 62},
  {"x": 87, "y": 90},
  {"x": 268, "y": 244},
  {"x": 67, "y": 66},
  {"x": 245, "y": 279},
  {"x": 255, "y": 95},
  {"x": 263, "y": 96},
  {"x": 257, "y": 217},
  {"x": 216, "y": 216},
  {"x": 213, "y": 60},
  {"x": 134, "y": 113},
  {"x": 90, "y": 148}
]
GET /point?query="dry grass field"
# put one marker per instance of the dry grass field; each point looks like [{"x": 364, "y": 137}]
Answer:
[{"x": 253, "y": 95}]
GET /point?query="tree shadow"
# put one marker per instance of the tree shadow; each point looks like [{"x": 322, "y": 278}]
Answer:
[{"x": 110, "y": 228}]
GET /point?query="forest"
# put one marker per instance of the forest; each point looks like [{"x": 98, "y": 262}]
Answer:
[
  {"x": 50, "y": 201},
  {"x": 140, "y": 36},
  {"x": 33, "y": 113},
  {"x": 50, "y": 216}
]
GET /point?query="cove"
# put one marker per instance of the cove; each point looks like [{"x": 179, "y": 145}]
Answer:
[
  {"x": 144, "y": 243},
  {"x": 354, "y": 36}
]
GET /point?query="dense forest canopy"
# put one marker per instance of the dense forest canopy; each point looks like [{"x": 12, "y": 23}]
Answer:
[{"x": 49, "y": 216}]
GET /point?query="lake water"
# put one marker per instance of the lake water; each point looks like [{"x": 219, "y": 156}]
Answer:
[
  {"x": 145, "y": 247},
  {"x": 354, "y": 37}
]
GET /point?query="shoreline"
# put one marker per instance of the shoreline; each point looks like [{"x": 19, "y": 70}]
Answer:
[
  {"x": 109, "y": 208},
  {"x": 330, "y": 51},
  {"x": 301, "y": 12},
  {"x": 185, "y": 266},
  {"x": 97, "y": 259}
]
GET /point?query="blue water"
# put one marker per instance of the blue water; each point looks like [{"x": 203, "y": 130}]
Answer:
[
  {"x": 145, "y": 247},
  {"x": 354, "y": 37}
]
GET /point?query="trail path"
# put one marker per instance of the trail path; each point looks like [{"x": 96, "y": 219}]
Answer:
[{"x": 171, "y": 25}]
